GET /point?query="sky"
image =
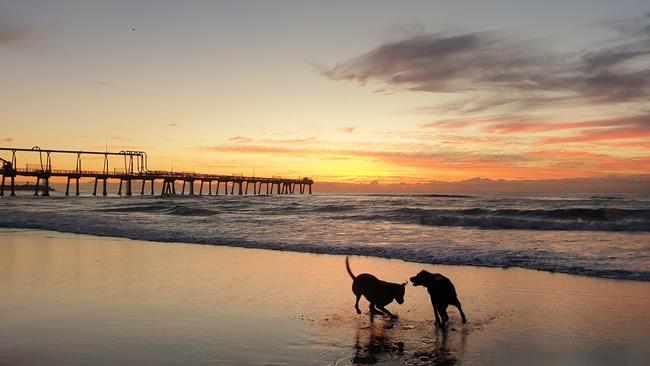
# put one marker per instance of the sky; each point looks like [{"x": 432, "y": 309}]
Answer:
[{"x": 340, "y": 91}]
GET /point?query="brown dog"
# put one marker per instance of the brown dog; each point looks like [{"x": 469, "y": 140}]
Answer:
[
  {"x": 379, "y": 293},
  {"x": 442, "y": 294}
]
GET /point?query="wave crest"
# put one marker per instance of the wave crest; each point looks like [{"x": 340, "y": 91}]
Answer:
[{"x": 591, "y": 219}]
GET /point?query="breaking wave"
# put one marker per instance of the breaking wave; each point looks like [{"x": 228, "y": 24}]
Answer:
[{"x": 590, "y": 219}]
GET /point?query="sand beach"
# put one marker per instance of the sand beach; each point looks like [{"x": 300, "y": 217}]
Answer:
[{"x": 84, "y": 300}]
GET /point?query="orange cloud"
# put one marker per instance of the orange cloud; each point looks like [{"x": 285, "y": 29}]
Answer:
[{"x": 536, "y": 164}]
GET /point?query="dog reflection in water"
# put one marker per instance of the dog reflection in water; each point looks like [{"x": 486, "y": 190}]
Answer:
[
  {"x": 381, "y": 342},
  {"x": 368, "y": 350},
  {"x": 379, "y": 293}
]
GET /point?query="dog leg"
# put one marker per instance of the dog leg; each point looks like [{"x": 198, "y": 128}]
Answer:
[
  {"x": 440, "y": 316},
  {"x": 375, "y": 311},
  {"x": 456, "y": 303},
  {"x": 356, "y": 304},
  {"x": 443, "y": 313},
  {"x": 435, "y": 312},
  {"x": 388, "y": 312}
]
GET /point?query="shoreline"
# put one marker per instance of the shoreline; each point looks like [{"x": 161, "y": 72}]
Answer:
[
  {"x": 76, "y": 299},
  {"x": 324, "y": 251}
]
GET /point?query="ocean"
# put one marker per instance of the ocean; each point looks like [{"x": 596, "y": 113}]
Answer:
[{"x": 584, "y": 234}]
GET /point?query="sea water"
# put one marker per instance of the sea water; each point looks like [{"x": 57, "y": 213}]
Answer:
[{"x": 583, "y": 234}]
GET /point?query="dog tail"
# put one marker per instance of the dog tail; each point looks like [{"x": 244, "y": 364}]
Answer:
[{"x": 347, "y": 266}]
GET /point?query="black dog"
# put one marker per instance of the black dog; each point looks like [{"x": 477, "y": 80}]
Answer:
[
  {"x": 379, "y": 293},
  {"x": 442, "y": 294}
]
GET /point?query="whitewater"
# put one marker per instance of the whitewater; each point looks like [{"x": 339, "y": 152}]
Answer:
[{"x": 590, "y": 235}]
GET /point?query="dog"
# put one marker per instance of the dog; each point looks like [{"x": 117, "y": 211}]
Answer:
[
  {"x": 442, "y": 294},
  {"x": 379, "y": 293}
]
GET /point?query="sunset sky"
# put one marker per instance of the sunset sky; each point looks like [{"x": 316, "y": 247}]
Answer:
[{"x": 342, "y": 91}]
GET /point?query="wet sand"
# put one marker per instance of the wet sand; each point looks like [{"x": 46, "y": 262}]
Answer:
[{"x": 82, "y": 300}]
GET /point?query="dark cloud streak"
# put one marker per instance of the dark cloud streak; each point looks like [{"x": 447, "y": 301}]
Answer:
[{"x": 503, "y": 71}]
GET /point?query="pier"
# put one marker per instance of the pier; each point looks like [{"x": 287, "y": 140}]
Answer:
[{"x": 135, "y": 172}]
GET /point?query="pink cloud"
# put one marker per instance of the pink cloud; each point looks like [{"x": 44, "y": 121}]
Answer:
[
  {"x": 461, "y": 123},
  {"x": 520, "y": 127},
  {"x": 543, "y": 127},
  {"x": 584, "y": 160},
  {"x": 17, "y": 35},
  {"x": 625, "y": 128},
  {"x": 617, "y": 129},
  {"x": 633, "y": 144}
]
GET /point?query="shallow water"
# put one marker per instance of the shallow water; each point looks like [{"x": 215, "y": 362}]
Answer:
[{"x": 602, "y": 236}]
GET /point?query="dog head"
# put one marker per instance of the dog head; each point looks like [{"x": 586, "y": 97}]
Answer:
[
  {"x": 421, "y": 278},
  {"x": 399, "y": 292}
]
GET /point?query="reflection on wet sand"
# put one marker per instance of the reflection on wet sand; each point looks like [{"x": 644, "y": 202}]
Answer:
[
  {"x": 392, "y": 341},
  {"x": 376, "y": 341},
  {"x": 440, "y": 351}
]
